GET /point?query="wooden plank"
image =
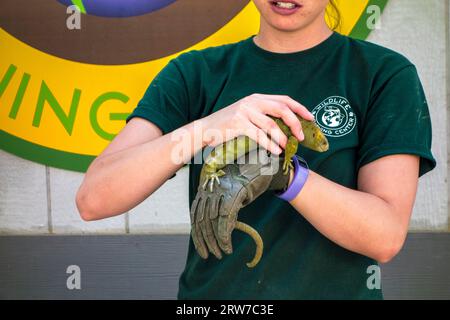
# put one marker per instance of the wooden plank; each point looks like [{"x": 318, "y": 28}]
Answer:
[
  {"x": 421, "y": 270},
  {"x": 112, "y": 267},
  {"x": 419, "y": 32},
  {"x": 23, "y": 196},
  {"x": 148, "y": 267}
]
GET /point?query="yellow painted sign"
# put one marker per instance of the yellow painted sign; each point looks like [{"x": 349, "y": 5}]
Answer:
[{"x": 63, "y": 113}]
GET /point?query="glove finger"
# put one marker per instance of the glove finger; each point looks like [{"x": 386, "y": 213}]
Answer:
[
  {"x": 197, "y": 236},
  {"x": 215, "y": 220},
  {"x": 194, "y": 208},
  {"x": 224, "y": 214},
  {"x": 214, "y": 207},
  {"x": 214, "y": 216},
  {"x": 200, "y": 210},
  {"x": 224, "y": 237},
  {"x": 208, "y": 233},
  {"x": 224, "y": 245},
  {"x": 228, "y": 211},
  {"x": 199, "y": 244},
  {"x": 215, "y": 227}
]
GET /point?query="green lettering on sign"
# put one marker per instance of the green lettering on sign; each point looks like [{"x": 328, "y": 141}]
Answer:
[
  {"x": 45, "y": 95},
  {"x": 7, "y": 78},
  {"x": 113, "y": 116},
  {"x": 19, "y": 95}
]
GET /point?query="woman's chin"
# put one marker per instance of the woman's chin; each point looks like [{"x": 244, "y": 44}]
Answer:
[{"x": 286, "y": 26}]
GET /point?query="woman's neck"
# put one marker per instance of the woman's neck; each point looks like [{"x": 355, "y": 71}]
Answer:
[{"x": 274, "y": 40}]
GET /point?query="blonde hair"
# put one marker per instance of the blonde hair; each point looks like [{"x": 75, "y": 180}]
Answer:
[{"x": 333, "y": 15}]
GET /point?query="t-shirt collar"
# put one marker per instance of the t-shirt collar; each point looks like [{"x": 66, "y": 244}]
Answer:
[{"x": 315, "y": 53}]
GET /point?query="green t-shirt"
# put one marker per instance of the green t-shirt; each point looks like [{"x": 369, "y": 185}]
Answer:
[{"x": 369, "y": 102}]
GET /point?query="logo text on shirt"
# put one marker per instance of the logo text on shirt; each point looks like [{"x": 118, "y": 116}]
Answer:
[{"x": 335, "y": 116}]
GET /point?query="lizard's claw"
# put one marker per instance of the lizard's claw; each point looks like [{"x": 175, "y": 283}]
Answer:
[
  {"x": 210, "y": 178},
  {"x": 287, "y": 164}
]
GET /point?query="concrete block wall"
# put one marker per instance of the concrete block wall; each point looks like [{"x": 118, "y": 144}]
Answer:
[
  {"x": 419, "y": 30},
  {"x": 35, "y": 199}
]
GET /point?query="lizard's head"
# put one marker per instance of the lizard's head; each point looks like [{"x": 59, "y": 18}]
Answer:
[{"x": 314, "y": 137}]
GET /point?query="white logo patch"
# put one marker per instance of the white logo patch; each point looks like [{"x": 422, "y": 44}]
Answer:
[{"x": 335, "y": 116}]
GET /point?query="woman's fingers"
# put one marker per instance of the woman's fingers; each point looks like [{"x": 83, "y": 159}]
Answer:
[
  {"x": 279, "y": 109},
  {"x": 251, "y": 111},
  {"x": 258, "y": 135},
  {"x": 269, "y": 126},
  {"x": 294, "y": 105}
]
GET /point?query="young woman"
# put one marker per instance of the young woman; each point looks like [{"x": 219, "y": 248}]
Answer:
[{"x": 354, "y": 209}]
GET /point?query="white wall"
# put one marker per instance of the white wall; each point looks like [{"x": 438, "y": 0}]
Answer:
[{"x": 38, "y": 200}]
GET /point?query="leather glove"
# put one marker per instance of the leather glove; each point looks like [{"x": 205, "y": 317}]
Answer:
[{"x": 214, "y": 214}]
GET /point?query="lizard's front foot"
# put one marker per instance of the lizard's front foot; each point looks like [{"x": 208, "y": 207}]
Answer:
[
  {"x": 211, "y": 177},
  {"x": 287, "y": 164}
]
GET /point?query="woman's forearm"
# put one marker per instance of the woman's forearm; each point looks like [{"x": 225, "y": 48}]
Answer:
[
  {"x": 358, "y": 221},
  {"x": 117, "y": 182}
]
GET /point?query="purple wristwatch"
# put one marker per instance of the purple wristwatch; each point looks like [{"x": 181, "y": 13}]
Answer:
[{"x": 301, "y": 172}]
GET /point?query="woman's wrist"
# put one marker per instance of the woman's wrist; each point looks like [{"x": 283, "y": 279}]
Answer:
[{"x": 297, "y": 179}]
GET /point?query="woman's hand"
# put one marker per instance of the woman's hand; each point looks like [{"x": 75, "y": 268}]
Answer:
[{"x": 249, "y": 117}]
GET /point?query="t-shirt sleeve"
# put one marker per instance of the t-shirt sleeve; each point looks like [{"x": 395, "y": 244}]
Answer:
[
  {"x": 165, "y": 102},
  {"x": 397, "y": 121}
]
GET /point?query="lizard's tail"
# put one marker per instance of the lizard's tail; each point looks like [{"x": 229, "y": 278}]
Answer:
[{"x": 258, "y": 241}]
